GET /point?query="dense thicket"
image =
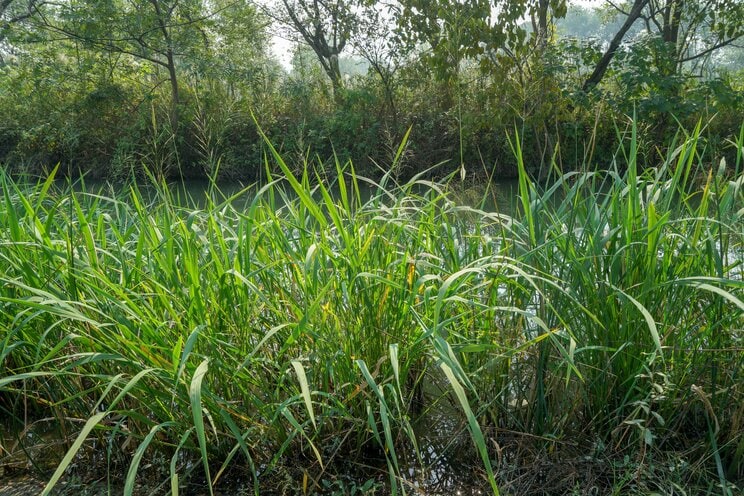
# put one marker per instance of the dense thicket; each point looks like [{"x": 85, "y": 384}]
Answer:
[{"x": 178, "y": 87}]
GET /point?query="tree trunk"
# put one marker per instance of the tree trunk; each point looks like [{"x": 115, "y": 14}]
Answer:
[
  {"x": 670, "y": 34},
  {"x": 175, "y": 97},
  {"x": 163, "y": 18},
  {"x": 542, "y": 24},
  {"x": 334, "y": 72},
  {"x": 604, "y": 63}
]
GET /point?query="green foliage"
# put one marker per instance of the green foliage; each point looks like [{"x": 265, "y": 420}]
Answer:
[
  {"x": 474, "y": 29},
  {"x": 112, "y": 90},
  {"x": 113, "y": 95}
]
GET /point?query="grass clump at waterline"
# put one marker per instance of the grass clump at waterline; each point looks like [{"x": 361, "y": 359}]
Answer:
[{"x": 300, "y": 340}]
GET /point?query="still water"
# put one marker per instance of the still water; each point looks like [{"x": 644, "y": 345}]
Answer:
[{"x": 499, "y": 196}]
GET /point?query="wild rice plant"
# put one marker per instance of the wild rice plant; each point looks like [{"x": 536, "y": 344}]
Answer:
[{"x": 646, "y": 347}]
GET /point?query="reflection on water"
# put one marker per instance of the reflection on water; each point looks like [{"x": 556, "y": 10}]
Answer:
[
  {"x": 37, "y": 446},
  {"x": 444, "y": 465},
  {"x": 498, "y": 196}
]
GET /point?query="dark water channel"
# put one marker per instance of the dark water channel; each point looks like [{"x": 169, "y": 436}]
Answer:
[{"x": 499, "y": 196}]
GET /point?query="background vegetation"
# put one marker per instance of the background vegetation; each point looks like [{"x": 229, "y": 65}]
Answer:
[{"x": 115, "y": 88}]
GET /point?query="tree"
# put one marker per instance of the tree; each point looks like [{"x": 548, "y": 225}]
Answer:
[
  {"x": 325, "y": 26},
  {"x": 238, "y": 43},
  {"x": 155, "y": 31},
  {"x": 601, "y": 68},
  {"x": 484, "y": 30},
  {"x": 587, "y": 23},
  {"x": 14, "y": 12},
  {"x": 691, "y": 30},
  {"x": 541, "y": 13},
  {"x": 377, "y": 45},
  {"x": 687, "y": 32}
]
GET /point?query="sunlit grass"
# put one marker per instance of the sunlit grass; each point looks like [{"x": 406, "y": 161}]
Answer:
[{"x": 299, "y": 329}]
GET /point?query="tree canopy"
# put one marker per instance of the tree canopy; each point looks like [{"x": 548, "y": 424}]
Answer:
[{"x": 177, "y": 77}]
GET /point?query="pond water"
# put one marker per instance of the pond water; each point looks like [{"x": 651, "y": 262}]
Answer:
[{"x": 500, "y": 196}]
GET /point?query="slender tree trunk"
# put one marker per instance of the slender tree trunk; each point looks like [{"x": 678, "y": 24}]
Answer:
[
  {"x": 670, "y": 34},
  {"x": 163, "y": 17},
  {"x": 390, "y": 97},
  {"x": 329, "y": 63},
  {"x": 668, "y": 65},
  {"x": 175, "y": 97},
  {"x": 604, "y": 63},
  {"x": 334, "y": 73},
  {"x": 542, "y": 24}
]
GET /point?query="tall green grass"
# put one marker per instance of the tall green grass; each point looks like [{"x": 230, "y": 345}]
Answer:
[{"x": 298, "y": 332}]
